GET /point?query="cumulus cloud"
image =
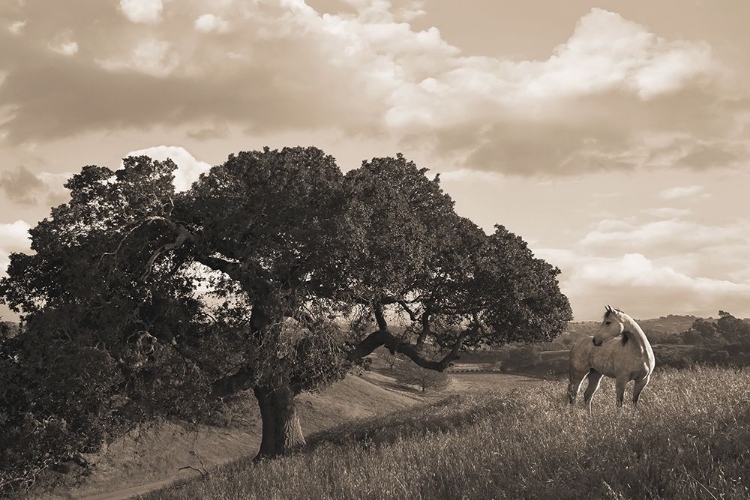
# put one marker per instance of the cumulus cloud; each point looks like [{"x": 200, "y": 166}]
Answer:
[
  {"x": 142, "y": 11},
  {"x": 17, "y": 27},
  {"x": 14, "y": 237},
  {"x": 23, "y": 187},
  {"x": 56, "y": 192},
  {"x": 67, "y": 48},
  {"x": 150, "y": 56},
  {"x": 188, "y": 168},
  {"x": 209, "y": 23},
  {"x": 217, "y": 131},
  {"x": 670, "y": 235},
  {"x": 467, "y": 175},
  {"x": 607, "y": 51},
  {"x": 284, "y": 66},
  {"x": 681, "y": 192},
  {"x": 647, "y": 289},
  {"x": 411, "y": 11},
  {"x": 677, "y": 265},
  {"x": 63, "y": 44},
  {"x": 668, "y": 212}
]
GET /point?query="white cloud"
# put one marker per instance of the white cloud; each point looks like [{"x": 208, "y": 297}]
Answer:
[
  {"x": 55, "y": 185},
  {"x": 605, "y": 53},
  {"x": 681, "y": 192},
  {"x": 13, "y": 238},
  {"x": 468, "y": 175},
  {"x": 676, "y": 265},
  {"x": 209, "y": 23},
  {"x": 643, "y": 287},
  {"x": 150, "y": 56},
  {"x": 413, "y": 10},
  {"x": 142, "y": 11},
  {"x": 670, "y": 234},
  {"x": 17, "y": 27},
  {"x": 64, "y": 44},
  {"x": 668, "y": 212},
  {"x": 66, "y": 48},
  {"x": 189, "y": 168},
  {"x": 367, "y": 71}
]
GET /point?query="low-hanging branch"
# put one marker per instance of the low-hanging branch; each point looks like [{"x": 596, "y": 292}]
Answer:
[{"x": 394, "y": 344}]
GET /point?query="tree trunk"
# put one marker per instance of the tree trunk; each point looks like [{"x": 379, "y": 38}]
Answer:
[{"x": 282, "y": 432}]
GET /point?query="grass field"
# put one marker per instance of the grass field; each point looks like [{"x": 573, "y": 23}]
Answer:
[
  {"x": 155, "y": 455},
  {"x": 687, "y": 440}
]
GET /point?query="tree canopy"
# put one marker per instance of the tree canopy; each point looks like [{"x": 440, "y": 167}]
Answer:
[{"x": 250, "y": 279}]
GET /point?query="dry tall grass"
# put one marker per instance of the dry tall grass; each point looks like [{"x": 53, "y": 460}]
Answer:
[{"x": 689, "y": 439}]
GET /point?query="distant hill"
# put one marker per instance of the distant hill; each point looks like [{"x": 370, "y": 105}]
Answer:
[
  {"x": 673, "y": 324},
  {"x": 669, "y": 324}
]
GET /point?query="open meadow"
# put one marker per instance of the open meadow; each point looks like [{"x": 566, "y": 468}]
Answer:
[{"x": 687, "y": 439}]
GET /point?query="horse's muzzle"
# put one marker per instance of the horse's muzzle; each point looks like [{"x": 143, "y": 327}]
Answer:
[{"x": 594, "y": 341}]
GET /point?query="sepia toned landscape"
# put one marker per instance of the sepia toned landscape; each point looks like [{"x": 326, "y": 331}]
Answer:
[{"x": 387, "y": 249}]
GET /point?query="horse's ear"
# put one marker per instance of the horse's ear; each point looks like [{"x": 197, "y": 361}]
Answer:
[{"x": 608, "y": 308}]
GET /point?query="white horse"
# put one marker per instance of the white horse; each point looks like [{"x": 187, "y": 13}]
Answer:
[{"x": 619, "y": 349}]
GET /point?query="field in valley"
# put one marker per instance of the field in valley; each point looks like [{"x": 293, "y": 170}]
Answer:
[{"x": 688, "y": 439}]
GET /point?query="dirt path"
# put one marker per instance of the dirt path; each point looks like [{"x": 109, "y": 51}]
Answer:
[
  {"x": 136, "y": 490},
  {"x": 467, "y": 383}
]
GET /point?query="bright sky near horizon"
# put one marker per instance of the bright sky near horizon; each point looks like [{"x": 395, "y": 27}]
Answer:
[{"x": 613, "y": 136}]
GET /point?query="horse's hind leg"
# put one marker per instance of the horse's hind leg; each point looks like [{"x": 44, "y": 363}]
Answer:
[
  {"x": 576, "y": 379},
  {"x": 595, "y": 378},
  {"x": 640, "y": 384}
]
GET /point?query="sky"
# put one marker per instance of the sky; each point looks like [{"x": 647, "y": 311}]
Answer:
[{"x": 613, "y": 136}]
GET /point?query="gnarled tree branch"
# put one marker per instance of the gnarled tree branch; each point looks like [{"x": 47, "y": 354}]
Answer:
[
  {"x": 183, "y": 235},
  {"x": 394, "y": 344},
  {"x": 227, "y": 386}
]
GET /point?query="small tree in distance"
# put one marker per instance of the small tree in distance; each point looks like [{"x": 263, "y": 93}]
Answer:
[
  {"x": 424, "y": 379},
  {"x": 386, "y": 357}
]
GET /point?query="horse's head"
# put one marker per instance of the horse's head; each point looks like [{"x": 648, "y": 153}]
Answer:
[{"x": 612, "y": 326}]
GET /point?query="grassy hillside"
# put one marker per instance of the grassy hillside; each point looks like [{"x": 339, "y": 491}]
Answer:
[
  {"x": 156, "y": 454},
  {"x": 687, "y": 440},
  {"x": 673, "y": 324}
]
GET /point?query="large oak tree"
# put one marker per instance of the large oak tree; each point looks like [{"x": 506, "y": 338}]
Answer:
[{"x": 245, "y": 281}]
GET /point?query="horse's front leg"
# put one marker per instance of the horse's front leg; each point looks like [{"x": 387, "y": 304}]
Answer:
[
  {"x": 595, "y": 379},
  {"x": 620, "y": 389},
  {"x": 576, "y": 379}
]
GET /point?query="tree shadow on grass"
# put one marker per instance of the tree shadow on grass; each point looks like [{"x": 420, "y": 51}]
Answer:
[{"x": 441, "y": 416}]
